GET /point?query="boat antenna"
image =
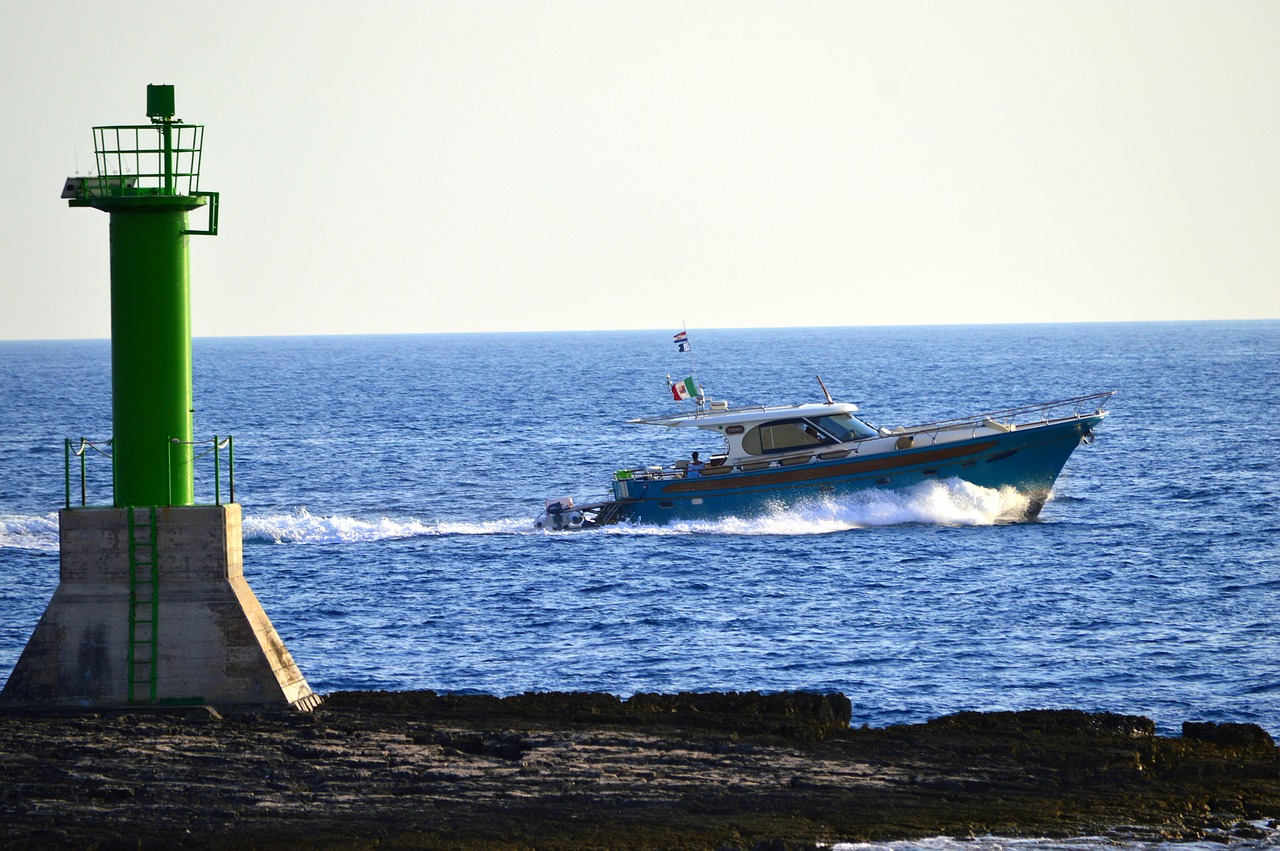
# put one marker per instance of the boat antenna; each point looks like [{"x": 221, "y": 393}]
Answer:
[{"x": 830, "y": 401}]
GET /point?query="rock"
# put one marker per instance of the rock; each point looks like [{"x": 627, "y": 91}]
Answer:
[
  {"x": 1227, "y": 734},
  {"x": 739, "y": 770},
  {"x": 1054, "y": 722},
  {"x": 808, "y": 715}
]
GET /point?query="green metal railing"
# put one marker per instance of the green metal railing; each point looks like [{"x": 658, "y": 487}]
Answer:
[
  {"x": 159, "y": 160},
  {"x": 212, "y": 228},
  {"x": 215, "y": 446},
  {"x": 146, "y": 159},
  {"x": 82, "y": 452}
]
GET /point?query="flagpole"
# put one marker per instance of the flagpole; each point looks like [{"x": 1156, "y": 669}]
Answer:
[
  {"x": 691, "y": 387},
  {"x": 701, "y": 394}
]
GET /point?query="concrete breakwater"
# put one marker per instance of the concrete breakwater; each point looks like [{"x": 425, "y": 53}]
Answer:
[{"x": 731, "y": 770}]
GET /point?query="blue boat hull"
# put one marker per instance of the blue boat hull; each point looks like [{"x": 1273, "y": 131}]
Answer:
[{"x": 1027, "y": 459}]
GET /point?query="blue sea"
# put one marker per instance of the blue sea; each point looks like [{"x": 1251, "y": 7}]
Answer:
[{"x": 389, "y": 484}]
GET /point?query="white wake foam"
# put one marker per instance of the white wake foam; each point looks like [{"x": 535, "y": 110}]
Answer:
[
  {"x": 950, "y": 502},
  {"x": 945, "y": 503},
  {"x": 1215, "y": 840},
  {"x": 303, "y": 527},
  {"x": 29, "y": 532},
  {"x": 32, "y": 532}
]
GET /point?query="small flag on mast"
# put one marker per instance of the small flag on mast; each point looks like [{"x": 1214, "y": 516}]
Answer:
[
  {"x": 682, "y": 341},
  {"x": 685, "y": 389}
]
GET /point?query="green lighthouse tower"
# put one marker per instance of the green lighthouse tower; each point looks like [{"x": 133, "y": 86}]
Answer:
[
  {"x": 152, "y": 606},
  {"x": 148, "y": 180}
]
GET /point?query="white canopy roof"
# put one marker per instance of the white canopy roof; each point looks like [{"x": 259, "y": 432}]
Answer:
[{"x": 710, "y": 418}]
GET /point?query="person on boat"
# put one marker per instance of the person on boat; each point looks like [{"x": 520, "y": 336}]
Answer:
[{"x": 695, "y": 467}]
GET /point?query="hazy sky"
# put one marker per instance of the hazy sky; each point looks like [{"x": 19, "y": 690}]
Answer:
[{"x": 476, "y": 166}]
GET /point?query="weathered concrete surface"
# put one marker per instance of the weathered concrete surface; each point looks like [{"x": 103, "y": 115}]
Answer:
[
  {"x": 215, "y": 644},
  {"x": 404, "y": 770}
]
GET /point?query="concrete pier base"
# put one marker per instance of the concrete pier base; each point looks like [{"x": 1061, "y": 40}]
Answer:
[{"x": 120, "y": 632}]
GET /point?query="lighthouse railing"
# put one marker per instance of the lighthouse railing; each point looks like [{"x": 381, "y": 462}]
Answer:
[
  {"x": 214, "y": 447},
  {"x": 81, "y": 451},
  {"x": 144, "y": 159},
  {"x": 84, "y": 446}
]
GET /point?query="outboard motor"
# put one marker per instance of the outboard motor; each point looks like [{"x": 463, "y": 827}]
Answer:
[{"x": 560, "y": 516}]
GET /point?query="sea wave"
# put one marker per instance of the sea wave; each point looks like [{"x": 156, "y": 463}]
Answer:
[
  {"x": 940, "y": 503},
  {"x": 946, "y": 503},
  {"x": 1266, "y": 837},
  {"x": 949, "y": 502},
  {"x": 40, "y": 532},
  {"x": 303, "y": 527},
  {"x": 29, "y": 532}
]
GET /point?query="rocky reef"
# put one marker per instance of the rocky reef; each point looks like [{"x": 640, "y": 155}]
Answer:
[{"x": 713, "y": 771}]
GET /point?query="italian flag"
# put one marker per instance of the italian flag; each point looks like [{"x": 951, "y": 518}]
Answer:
[{"x": 682, "y": 390}]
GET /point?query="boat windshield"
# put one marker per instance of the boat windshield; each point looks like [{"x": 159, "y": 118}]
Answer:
[{"x": 845, "y": 427}]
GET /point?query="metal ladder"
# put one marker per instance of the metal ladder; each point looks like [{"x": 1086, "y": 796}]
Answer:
[
  {"x": 144, "y": 604},
  {"x": 609, "y": 512}
]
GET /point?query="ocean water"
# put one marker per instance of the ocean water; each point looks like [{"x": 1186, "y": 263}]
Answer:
[{"x": 389, "y": 486}]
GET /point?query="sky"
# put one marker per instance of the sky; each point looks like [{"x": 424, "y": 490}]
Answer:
[{"x": 540, "y": 166}]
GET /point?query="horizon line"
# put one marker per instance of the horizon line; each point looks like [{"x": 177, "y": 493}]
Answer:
[{"x": 668, "y": 328}]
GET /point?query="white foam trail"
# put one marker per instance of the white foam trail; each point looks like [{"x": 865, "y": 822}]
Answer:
[
  {"x": 1218, "y": 840},
  {"x": 945, "y": 503},
  {"x": 29, "y": 532},
  {"x": 949, "y": 502},
  {"x": 490, "y": 527},
  {"x": 303, "y": 527}
]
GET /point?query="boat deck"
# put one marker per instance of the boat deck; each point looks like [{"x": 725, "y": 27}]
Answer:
[{"x": 888, "y": 440}]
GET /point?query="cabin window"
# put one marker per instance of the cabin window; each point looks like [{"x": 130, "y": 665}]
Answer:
[
  {"x": 786, "y": 435},
  {"x": 783, "y": 436}
]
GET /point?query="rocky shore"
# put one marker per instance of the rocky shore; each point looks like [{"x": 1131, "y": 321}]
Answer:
[{"x": 717, "y": 771}]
